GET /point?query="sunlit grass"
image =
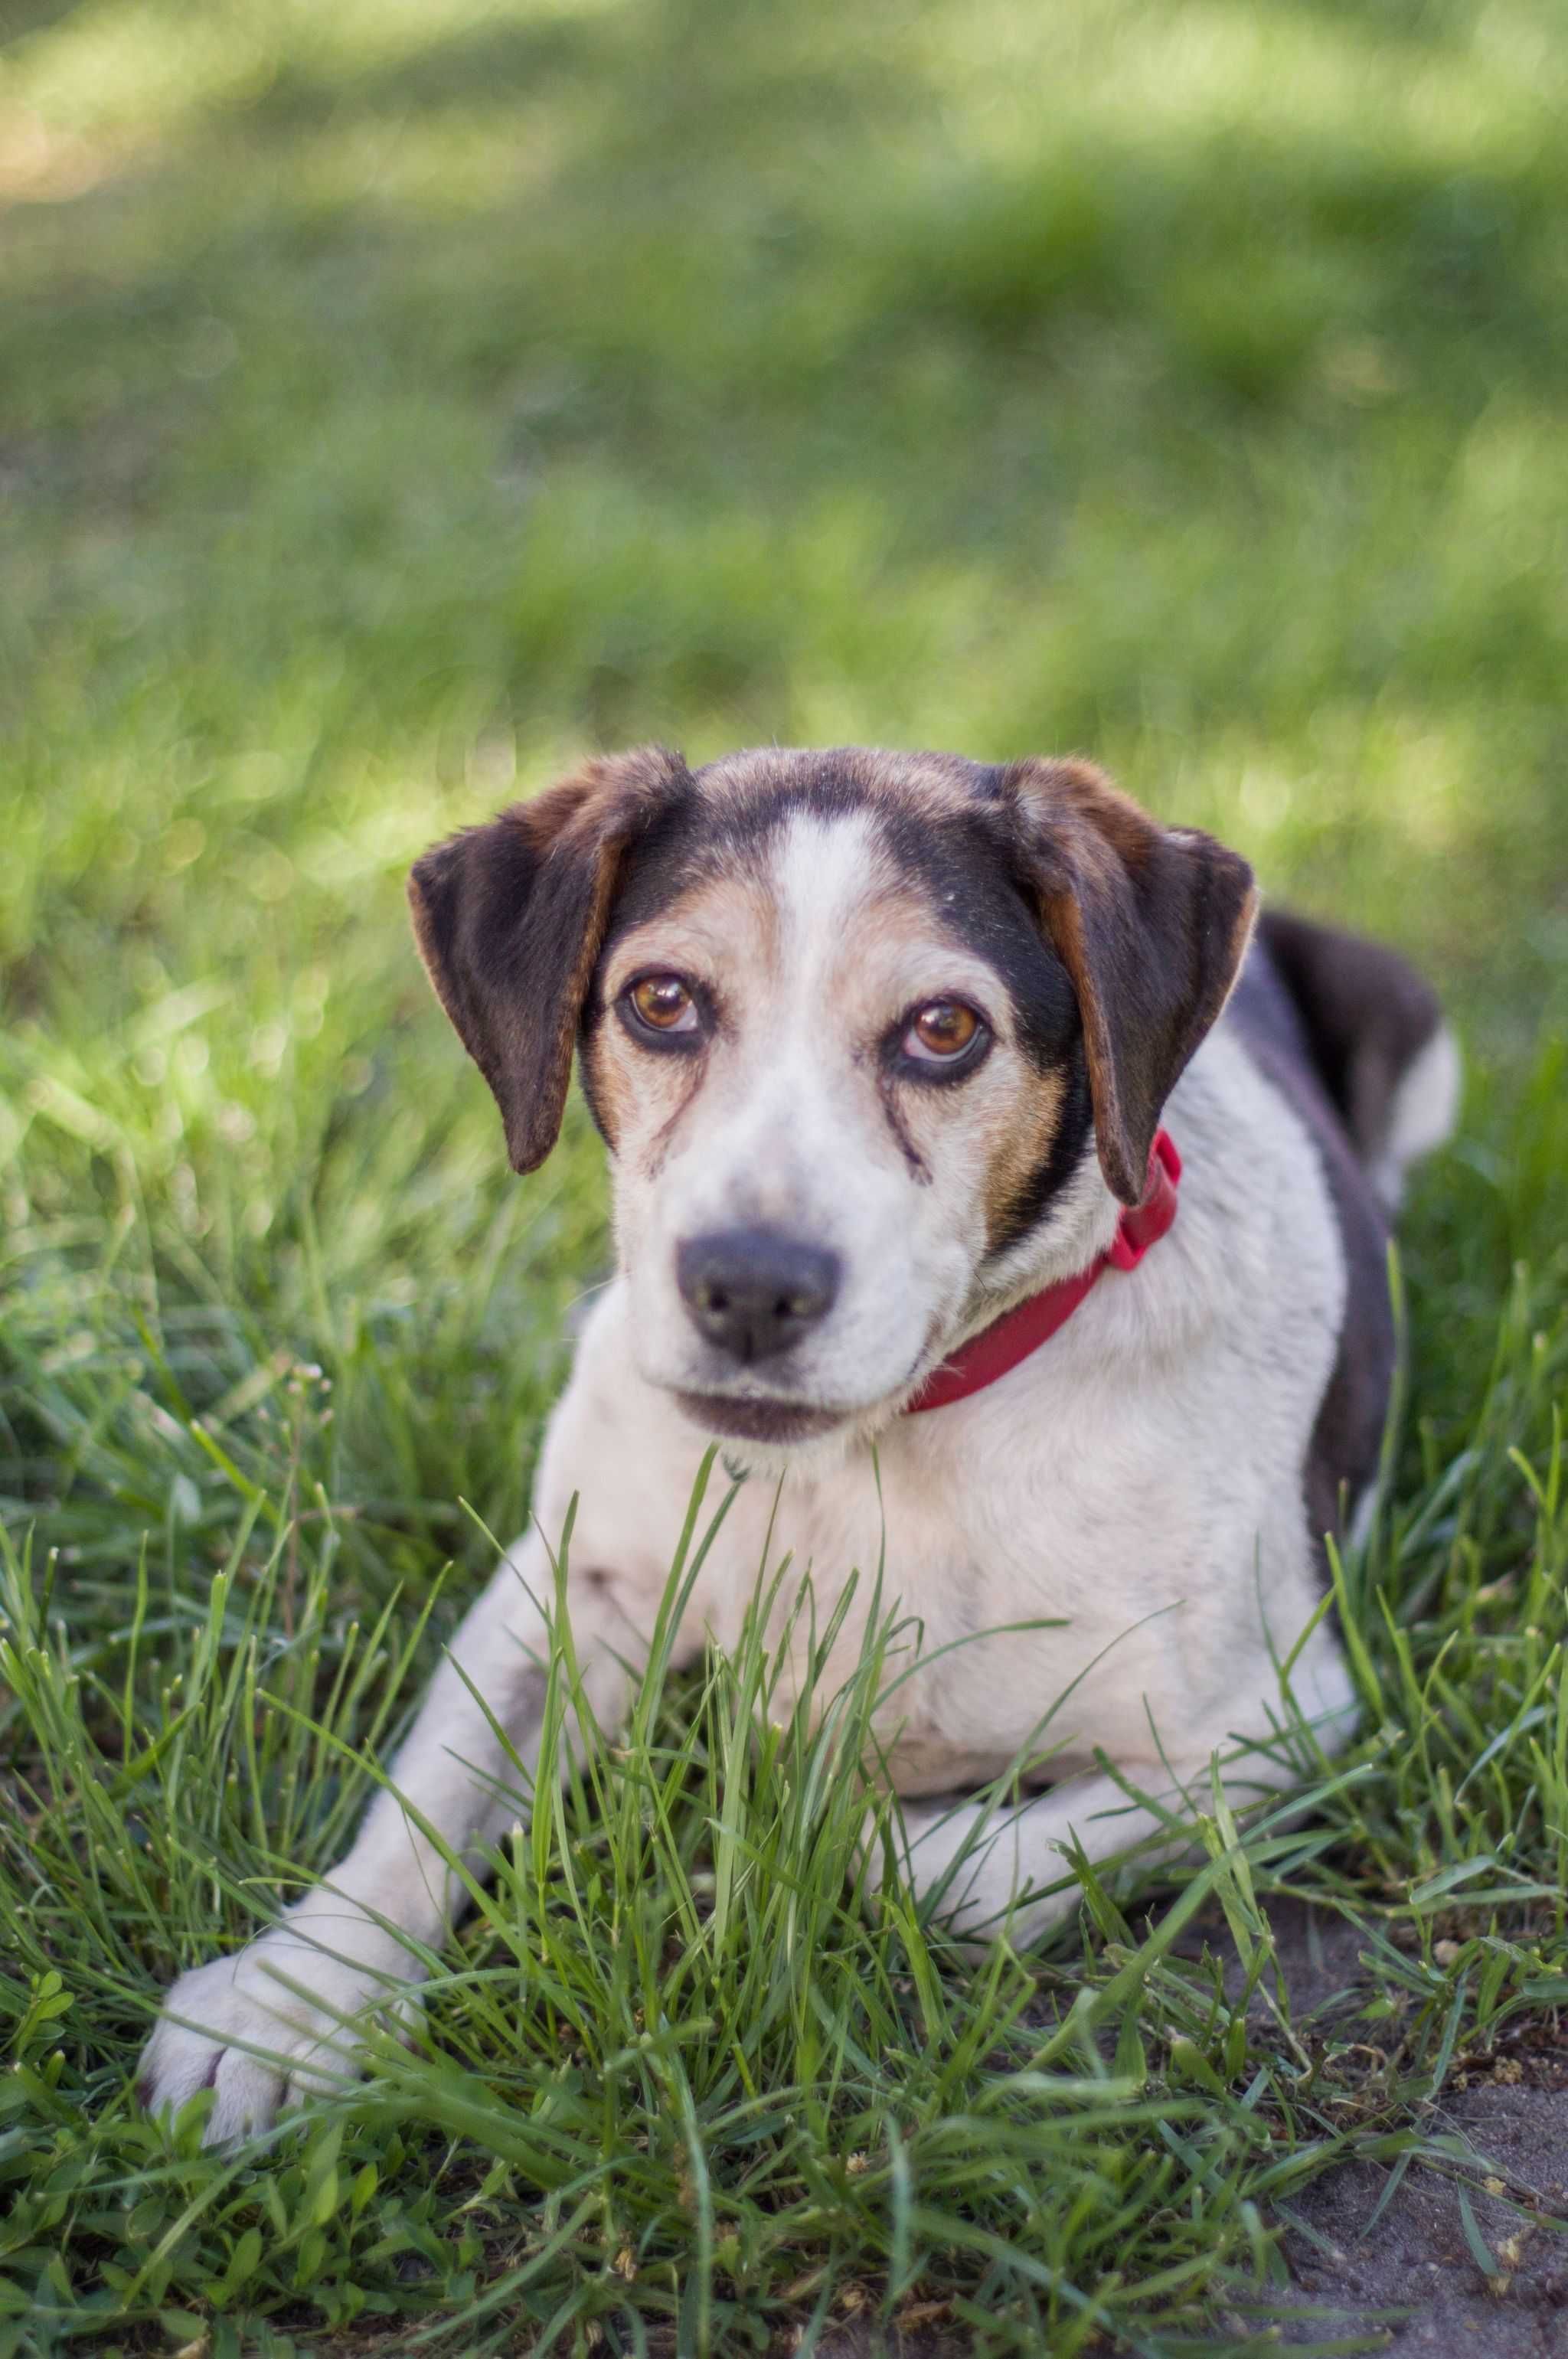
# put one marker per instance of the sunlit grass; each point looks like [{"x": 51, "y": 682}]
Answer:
[{"x": 393, "y": 401}]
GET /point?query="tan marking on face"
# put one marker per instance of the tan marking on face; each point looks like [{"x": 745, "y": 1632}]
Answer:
[
  {"x": 651, "y": 1093},
  {"x": 1026, "y": 1140},
  {"x": 606, "y": 1084},
  {"x": 1064, "y": 916},
  {"x": 692, "y": 1076},
  {"x": 891, "y": 955},
  {"x": 721, "y": 934},
  {"x": 724, "y": 927}
]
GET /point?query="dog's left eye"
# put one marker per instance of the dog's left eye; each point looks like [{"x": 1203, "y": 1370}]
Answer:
[
  {"x": 662, "y": 1002},
  {"x": 941, "y": 1032}
]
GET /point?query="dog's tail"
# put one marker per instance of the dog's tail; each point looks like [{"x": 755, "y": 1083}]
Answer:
[{"x": 1375, "y": 1028}]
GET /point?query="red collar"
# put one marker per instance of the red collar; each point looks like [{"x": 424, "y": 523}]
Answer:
[{"x": 1022, "y": 1330}]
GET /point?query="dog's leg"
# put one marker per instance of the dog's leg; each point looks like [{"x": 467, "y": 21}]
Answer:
[
  {"x": 1002, "y": 1870},
  {"x": 353, "y": 1941}
]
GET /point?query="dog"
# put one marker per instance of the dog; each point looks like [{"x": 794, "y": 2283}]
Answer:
[{"x": 959, "y": 1113}]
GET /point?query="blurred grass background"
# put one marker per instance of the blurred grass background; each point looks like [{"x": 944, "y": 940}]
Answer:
[{"x": 398, "y": 398}]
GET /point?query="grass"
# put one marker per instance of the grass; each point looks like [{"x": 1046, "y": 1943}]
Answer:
[{"x": 394, "y": 400}]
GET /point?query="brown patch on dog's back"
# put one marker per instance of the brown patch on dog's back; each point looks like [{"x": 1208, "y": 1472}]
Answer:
[{"x": 1348, "y": 1437}]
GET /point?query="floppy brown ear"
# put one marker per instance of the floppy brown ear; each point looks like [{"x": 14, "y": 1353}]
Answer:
[
  {"x": 1151, "y": 924},
  {"x": 510, "y": 918}
]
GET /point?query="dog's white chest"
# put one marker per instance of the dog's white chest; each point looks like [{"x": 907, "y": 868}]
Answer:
[
  {"x": 1133, "y": 1490},
  {"x": 1053, "y": 1591}
]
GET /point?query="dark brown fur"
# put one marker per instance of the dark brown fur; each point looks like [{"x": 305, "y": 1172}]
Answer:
[
  {"x": 1347, "y": 1437},
  {"x": 1365, "y": 1012},
  {"x": 509, "y": 920},
  {"x": 1150, "y": 925}
]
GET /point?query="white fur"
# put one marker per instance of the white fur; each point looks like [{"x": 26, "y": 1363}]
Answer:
[
  {"x": 1138, "y": 1478},
  {"x": 1422, "y": 1114}
]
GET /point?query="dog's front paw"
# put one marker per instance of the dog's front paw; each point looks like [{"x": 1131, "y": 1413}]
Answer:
[
  {"x": 975, "y": 1867},
  {"x": 280, "y": 2021}
]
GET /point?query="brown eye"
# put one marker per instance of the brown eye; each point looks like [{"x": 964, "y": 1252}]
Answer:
[
  {"x": 941, "y": 1032},
  {"x": 663, "y": 1003}
]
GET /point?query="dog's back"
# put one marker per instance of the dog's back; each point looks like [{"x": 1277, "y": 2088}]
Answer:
[
  {"x": 1354, "y": 1037},
  {"x": 1373, "y": 1032}
]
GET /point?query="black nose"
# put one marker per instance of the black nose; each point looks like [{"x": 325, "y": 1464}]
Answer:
[{"x": 753, "y": 1292}]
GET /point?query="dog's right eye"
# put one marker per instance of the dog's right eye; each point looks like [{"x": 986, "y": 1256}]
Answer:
[{"x": 661, "y": 1004}]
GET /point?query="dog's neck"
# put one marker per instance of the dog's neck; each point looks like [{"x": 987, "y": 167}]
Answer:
[
  {"x": 1078, "y": 1225},
  {"x": 1016, "y": 1335}
]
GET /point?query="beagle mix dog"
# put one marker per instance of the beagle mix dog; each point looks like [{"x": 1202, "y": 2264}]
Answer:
[{"x": 952, "y": 1118}]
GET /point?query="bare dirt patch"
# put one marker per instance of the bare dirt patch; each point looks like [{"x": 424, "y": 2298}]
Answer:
[{"x": 1412, "y": 2270}]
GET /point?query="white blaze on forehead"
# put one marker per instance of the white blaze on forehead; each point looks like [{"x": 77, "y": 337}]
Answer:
[
  {"x": 814, "y": 939},
  {"x": 824, "y": 871},
  {"x": 780, "y": 1135}
]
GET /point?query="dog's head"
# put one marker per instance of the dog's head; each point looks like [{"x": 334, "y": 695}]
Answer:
[{"x": 871, "y": 1039}]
